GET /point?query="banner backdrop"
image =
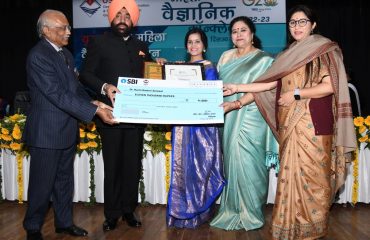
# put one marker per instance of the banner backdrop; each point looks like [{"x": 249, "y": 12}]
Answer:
[{"x": 164, "y": 23}]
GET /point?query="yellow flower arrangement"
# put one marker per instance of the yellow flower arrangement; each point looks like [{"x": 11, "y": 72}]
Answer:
[
  {"x": 11, "y": 133},
  {"x": 4, "y": 131},
  {"x": 11, "y": 139},
  {"x": 362, "y": 126},
  {"x": 11, "y": 129},
  {"x": 90, "y": 142},
  {"x": 89, "y": 139},
  {"x": 157, "y": 138}
]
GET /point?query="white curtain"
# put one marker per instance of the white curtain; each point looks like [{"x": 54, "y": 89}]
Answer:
[{"x": 154, "y": 172}]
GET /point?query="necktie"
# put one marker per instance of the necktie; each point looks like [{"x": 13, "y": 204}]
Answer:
[{"x": 61, "y": 53}]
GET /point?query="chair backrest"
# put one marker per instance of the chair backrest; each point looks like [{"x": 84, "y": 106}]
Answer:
[
  {"x": 353, "y": 88},
  {"x": 4, "y": 107},
  {"x": 21, "y": 102}
]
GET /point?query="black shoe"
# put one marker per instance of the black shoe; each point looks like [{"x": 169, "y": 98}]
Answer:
[
  {"x": 73, "y": 231},
  {"x": 131, "y": 220},
  {"x": 34, "y": 235},
  {"x": 110, "y": 224}
]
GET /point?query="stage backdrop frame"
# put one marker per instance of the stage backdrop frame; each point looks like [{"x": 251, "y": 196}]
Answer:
[{"x": 163, "y": 24}]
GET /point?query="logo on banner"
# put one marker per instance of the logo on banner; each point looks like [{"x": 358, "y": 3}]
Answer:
[
  {"x": 90, "y": 7},
  {"x": 263, "y": 9},
  {"x": 259, "y": 3}
]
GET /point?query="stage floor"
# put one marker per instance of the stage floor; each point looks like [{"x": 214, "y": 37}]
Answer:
[{"x": 346, "y": 223}]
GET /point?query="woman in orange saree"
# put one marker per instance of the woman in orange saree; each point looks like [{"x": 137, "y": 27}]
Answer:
[{"x": 304, "y": 98}]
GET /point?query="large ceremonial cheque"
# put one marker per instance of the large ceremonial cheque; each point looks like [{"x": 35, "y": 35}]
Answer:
[{"x": 168, "y": 102}]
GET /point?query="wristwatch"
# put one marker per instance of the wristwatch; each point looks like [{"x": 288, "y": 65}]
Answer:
[{"x": 297, "y": 95}]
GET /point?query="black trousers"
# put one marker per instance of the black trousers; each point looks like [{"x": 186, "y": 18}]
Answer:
[
  {"x": 51, "y": 177},
  {"x": 122, "y": 155}
]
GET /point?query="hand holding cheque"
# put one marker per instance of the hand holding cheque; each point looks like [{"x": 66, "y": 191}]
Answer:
[
  {"x": 104, "y": 111},
  {"x": 111, "y": 91},
  {"x": 168, "y": 102}
]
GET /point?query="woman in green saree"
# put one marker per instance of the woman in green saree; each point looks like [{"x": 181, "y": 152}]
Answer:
[{"x": 247, "y": 139}]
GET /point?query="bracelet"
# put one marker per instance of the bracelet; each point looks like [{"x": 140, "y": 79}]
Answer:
[{"x": 239, "y": 104}]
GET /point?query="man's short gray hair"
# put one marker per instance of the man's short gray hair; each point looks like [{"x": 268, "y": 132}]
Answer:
[{"x": 44, "y": 20}]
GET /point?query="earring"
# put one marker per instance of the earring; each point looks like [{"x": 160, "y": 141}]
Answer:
[
  {"x": 252, "y": 42},
  {"x": 204, "y": 50}
]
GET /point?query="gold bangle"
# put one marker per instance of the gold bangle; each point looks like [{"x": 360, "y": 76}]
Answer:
[{"x": 239, "y": 104}]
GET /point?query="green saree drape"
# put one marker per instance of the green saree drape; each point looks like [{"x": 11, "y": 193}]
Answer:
[{"x": 247, "y": 143}]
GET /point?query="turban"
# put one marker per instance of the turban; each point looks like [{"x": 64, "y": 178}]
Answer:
[{"x": 131, "y": 6}]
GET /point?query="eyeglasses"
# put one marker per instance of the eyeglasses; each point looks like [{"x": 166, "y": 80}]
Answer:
[
  {"x": 301, "y": 22},
  {"x": 63, "y": 28}
]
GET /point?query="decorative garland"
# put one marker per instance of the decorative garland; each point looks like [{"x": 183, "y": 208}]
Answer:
[
  {"x": 362, "y": 131},
  {"x": 355, "y": 179},
  {"x": 92, "y": 186},
  {"x": 168, "y": 168},
  {"x": 19, "y": 158},
  {"x": 1, "y": 184},
  {"x": 90, "y": 143},
  {"x": 142, "y": 187},
  {"x": 168, "y": 148}
]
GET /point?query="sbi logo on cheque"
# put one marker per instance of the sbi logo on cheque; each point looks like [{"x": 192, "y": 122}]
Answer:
[{"x": 129, "y": 81}]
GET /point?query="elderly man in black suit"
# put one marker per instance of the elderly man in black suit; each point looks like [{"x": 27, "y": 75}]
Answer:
[{"x": 58, "y": 101}]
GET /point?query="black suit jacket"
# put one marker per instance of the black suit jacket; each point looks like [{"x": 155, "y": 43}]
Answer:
[
  {"x": 109, "y": 57},
  {"x": 58, "y": 100}
]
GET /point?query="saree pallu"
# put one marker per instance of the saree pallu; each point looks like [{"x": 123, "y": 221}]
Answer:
[
  {"x": 247, "y": 142},
  {"x": 303, "y": 194},
  {"x": 196, "y": 172}
]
